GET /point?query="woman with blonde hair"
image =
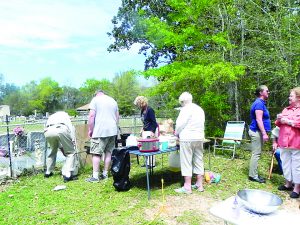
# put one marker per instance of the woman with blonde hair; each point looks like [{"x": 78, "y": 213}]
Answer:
[
  {"x": 149, "y": 121},
  {"x": 289, "y": 143},
  {"x": 147, "y": 114}
]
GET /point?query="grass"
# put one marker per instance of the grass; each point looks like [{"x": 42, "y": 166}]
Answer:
[{"x": 31, "y": 200}]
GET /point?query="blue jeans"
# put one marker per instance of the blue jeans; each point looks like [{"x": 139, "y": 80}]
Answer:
[{"x": 277, "y": 156}]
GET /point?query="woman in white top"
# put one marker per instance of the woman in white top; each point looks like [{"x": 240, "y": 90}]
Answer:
[{"x": 190, "y": 129}]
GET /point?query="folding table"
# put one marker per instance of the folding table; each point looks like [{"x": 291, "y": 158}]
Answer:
[{"x": 150, "y": 154}]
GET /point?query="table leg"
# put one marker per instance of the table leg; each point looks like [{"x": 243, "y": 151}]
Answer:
[
  {"x": 151, "y": 165},
  {"x": 209, "y": 158},
  {"x": 147, "y": 175}
]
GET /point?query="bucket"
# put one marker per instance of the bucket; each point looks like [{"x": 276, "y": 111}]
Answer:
[
  {"x": 172, "y": 141},
  {"x": 163, "y": 143}
]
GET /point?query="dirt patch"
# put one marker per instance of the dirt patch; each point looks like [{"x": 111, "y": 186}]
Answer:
[
  {"x": 291, "y": 205},
  {"x": 175, "y": 207},
  {"x": 184, "y": 209}
]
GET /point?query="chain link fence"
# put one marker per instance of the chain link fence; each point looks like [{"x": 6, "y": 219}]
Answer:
[{"x": 23, "y": 145}]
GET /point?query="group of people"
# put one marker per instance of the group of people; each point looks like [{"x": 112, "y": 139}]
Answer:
[
  {"x": 103, "y": 127},
  {"x": 286, "y": 138}
]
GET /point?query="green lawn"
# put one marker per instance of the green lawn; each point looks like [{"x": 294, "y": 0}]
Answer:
[{"x": 31, "y": 200}]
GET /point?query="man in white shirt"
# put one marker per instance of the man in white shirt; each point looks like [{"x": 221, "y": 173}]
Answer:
[
  {"x": 103, "y": 128},
  {"x": 190, "y": 129},
  {"x": 60, "y": 134}
]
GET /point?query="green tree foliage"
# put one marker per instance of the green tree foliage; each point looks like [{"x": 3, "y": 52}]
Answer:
[
  {"x": 128, "y": 30},
  {"x": 217, "y": 50},
  {"x": 124, "y": 90},
  {"x": 90, "y": 86},
  {"x": 47, "y": 95},
  {"x": 71, "y": 98},
  {"x": 265, "y": 35},
  {"x": 28, "y": 93},
  {"x": 43, "y": 97},
  {"x": 6, "y": 89},
  {"x": 194, "y": 62},
  {"x": 15, "y": 101}
]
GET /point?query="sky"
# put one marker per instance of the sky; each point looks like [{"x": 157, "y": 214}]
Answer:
[{"x": 63, "y": 39}]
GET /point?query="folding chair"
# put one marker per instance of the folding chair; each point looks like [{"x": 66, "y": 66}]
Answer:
[{"x": 232, "y": 137}]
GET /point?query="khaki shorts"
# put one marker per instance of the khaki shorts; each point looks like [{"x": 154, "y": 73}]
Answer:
[{"x": 102, "y": 145}]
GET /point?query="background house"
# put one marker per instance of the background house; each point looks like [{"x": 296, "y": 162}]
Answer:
[{"x": 83, "y": 110}]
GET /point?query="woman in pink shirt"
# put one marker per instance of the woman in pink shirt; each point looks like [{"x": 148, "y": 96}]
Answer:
[{"x": 289, "y": 143}]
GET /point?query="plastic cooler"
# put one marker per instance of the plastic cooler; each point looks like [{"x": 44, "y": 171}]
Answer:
[{"x": 148, "y": 145}]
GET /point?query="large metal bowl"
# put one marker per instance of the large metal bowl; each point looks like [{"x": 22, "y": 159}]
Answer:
[{"x": 258, "y": 201}]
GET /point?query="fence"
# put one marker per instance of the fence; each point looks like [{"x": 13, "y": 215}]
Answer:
[{"x": 23, "y": 144}]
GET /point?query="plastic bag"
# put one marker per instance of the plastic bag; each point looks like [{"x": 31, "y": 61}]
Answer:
[
  {"x": 174, "y": 161},
  {"x": 120, "y": 168},
  {"x": 131, "y": 140}
]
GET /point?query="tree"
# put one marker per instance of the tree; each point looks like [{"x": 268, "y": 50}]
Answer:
[
  {"x": 27, "y": 93},
  {"x": 128, "y": 30},
  {"x": 124, "y": 91},
  {"x": 266, "y": 40},
  {"x": 90, "y": 86},
  {"x": 16, "y": 103},
  {"x": 218, "y": 50},
  {"x": 184, "y": 31},
  {"x": 71, "y": 98},
  {"x": 6, "y": 89}
]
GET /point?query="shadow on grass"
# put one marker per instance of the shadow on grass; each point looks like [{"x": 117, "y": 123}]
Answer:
[{"x": 139, "y": 179}]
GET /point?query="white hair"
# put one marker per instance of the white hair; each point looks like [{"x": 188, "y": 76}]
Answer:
[{"x": 185, "y": 98}]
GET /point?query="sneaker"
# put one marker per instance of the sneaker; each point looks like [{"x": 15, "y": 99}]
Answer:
[
  {"x": 92, "y": 180},
  {"x": 103, "y": 177},
  {"x": 67, "y": 179},
  {"x": 257, "y": 179},
  {"x": 182, "y": 190},
  {"x": 48, "y": 175}
]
